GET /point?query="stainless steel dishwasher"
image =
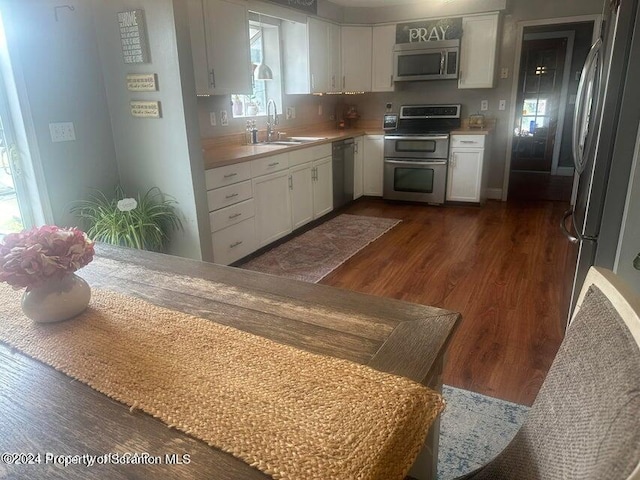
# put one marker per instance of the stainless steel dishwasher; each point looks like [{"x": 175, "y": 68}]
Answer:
[{"x": 343, "y": 152}]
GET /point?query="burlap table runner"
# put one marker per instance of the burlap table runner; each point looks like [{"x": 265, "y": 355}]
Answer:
[{"x": 289, "y": 413}]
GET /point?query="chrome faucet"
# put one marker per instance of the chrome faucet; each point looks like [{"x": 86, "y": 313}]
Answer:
[{"x": 272, "y": 121}]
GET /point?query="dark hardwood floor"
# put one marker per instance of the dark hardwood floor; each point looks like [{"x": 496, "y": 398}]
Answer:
[{"x": 504, "y": 266}]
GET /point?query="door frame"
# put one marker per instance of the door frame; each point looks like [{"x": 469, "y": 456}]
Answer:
[
  {"x": 597, "y": 25},
  {"x": 35, "y": 205},
  {"x": 564, "y": 91}
]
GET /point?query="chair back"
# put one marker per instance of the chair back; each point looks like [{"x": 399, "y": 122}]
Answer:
[{"x": 585, "y": 421}]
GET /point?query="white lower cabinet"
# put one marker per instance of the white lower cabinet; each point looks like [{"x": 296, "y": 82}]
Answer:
[
  {"x": 301, "y": 188},
  {"x": 272, "y": 206},
  {"x": 311, "y": 187},
  {"x": 322, "y": 187},
  {"x": 358, "y": 166},
  {"x": 466, "y": 174},
  {"x": 234, "y": 242},
  {"x": 252, "y": 204},
  {"x": 373, "y": 164}
]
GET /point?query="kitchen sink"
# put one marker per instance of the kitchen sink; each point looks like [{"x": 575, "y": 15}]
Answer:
[{"x": 294, "y": 140}]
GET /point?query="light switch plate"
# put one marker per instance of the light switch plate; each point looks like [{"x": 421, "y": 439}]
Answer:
[
  {"x": 62, "y": 132},
  {"x": 224, "y": 118},
  {"x": 504, "y": 73},
  {"x": 212, "y": 119},
  {"x": 502, "y": 105},
  {"x": 484, "y": 105}
]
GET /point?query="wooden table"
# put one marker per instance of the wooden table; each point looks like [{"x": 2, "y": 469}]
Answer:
[{"x": 43, "y": 411}]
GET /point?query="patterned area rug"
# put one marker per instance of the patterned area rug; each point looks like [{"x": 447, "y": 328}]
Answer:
[
  {"x": 314, "y": 254},
  {"x": 474, "y": 429}
]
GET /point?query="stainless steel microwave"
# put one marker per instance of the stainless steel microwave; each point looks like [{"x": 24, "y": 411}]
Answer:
[{"x": 437, "y": 60}]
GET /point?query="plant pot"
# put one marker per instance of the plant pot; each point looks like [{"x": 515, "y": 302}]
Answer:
[
  {"x": 252, "y": 110},
  {"x": 59, "y": 298}
]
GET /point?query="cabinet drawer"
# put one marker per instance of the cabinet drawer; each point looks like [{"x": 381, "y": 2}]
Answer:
[
  {"x": 234, "y": 242},
  {"x": 274, "y": 163},
  {"x": 221, "y": 176},
  {"x": 467, "y": 141},
  {"x": 304, "y": 155},
  {"x": 228, "y": 216},
  {"x": 225, "y": 196}
]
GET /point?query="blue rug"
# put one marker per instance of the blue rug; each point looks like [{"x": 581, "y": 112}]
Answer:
[{"x": 474, "y": 429}]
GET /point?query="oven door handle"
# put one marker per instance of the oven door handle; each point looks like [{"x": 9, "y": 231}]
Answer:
[
  {"x": 416, "y": 164},
  {"x": 417, "y": 137}
]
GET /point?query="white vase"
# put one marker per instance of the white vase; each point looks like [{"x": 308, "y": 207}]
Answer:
[{"x": 57, "y": 299}]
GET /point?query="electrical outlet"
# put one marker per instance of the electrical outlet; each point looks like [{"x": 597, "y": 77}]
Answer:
[
  {"x": 504, "y": 73},
  {"x": 502, "y": 105},
  {"x": 291, "y": 113},
  {"x": 62, "y": 132},
  {"x": 484, "y": 105},
  {"x": 319, "y": 109},
  {"x": 212, "y": 119},
  {"x": 224, "y": 119}
]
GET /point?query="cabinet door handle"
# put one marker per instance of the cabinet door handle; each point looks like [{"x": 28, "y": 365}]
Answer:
[
  {"x": 313, "y": 81},
  {"x": 236, "y": 215},
  {"x": 290, "y": 182},
  {"x": 274, "y": 164},
  {"x": 344, "y": 82},
  {"x": 355, "y": 148},
  {"x": 453, "y": 159},
  {"x": 391, "y": 80},
  {"x": 230, "y": 175},
  {"x": 236, "y": 244},
  {"x": 212, "y": 78},
  {"x": 467, "y": 141},
  {"x": 231, "y": 196}
]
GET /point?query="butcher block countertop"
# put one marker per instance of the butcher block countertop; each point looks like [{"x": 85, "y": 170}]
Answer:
[{"x": 221, "y": 155}]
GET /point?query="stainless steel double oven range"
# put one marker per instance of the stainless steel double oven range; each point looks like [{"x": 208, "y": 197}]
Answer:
[{"x": 416, "y": 152}]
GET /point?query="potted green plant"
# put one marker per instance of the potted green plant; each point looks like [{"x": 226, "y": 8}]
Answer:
[{"x": 143, "y": 222}]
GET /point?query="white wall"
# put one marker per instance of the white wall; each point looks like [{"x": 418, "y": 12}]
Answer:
[
  {"x": 59, "y": 65},
  {"x": 157, "y": 152}
]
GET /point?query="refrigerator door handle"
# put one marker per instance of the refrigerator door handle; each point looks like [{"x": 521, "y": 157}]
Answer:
[
  {"x": 584, "y": 106},
  {"x": 563, "y": 227}
]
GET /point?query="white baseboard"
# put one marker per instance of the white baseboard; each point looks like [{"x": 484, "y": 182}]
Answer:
[
  {"x": 494, "y": 193},
  {"x": 565, "y": 171}
]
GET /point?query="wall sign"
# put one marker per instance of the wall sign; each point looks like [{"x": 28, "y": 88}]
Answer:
[
  {"x": 133, "y": 35},
  {"x": 429, "y": 30},
  {"x": 142, "y": 82},
  {"x": 309, "y": 6},
  {"x": 145, "y": 109}
]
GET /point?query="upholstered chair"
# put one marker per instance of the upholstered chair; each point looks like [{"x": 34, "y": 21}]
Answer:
[{"x": 585, "y": 421}]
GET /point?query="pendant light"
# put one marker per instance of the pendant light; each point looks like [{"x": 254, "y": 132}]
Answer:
[{"x": 262, "y": 71}]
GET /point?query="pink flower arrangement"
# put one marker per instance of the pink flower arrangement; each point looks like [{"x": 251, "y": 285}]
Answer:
[{"x": 30, "y": 257}]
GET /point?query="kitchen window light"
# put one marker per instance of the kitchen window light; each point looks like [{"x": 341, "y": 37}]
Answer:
[{"x": 264, "y": 45}]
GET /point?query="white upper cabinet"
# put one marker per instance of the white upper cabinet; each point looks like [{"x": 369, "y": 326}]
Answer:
[
  {"x": 335, "y": 57},
  {"x": 324, "y": 56},
  {"x": 384, "y": 39},
  {"x": 356, "y": 59},
  {"x": 311, "y": 57},
  {"x": 318, "y": 55},
  {"x": 478, "y": 51},
  {"x": 220, "y": 46}
]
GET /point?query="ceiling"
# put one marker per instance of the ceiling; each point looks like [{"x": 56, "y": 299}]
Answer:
[{"x": 375, "y": 3}]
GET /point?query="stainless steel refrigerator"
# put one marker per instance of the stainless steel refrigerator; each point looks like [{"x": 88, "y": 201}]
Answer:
[{"x": 606, "y": 121}]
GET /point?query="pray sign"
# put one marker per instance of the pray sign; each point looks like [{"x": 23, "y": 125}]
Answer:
[{"x": 429, "y": 30}]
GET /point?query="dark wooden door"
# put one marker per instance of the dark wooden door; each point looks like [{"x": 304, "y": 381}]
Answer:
[{"x": 541, "y": 71}]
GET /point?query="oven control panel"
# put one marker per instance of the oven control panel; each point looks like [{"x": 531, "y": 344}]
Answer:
[{"x": 390, "y": 121}]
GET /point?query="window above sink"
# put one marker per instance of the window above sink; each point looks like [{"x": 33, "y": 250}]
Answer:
[{"x": 264, "y": 46}]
